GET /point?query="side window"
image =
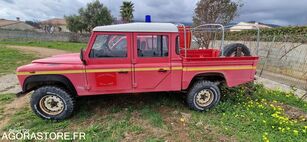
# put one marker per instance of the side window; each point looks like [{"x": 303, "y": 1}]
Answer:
[
  {"x": 109, "y": 46},
  {"x": 152, "y": 46},
  {"x": 177, "y": 45}
]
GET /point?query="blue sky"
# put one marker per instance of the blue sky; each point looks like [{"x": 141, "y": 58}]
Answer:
[{"x": 281, "y": 12}]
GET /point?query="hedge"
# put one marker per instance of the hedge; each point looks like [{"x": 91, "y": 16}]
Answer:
[{"x": 285, "y": 34}]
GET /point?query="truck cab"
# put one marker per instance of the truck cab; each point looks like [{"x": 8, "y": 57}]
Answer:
[
  {"x": 140, "y": 59},
  {"x": 132, "y": 58}
]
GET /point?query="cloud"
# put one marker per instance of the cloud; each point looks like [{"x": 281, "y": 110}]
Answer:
[
  {"x": 160, "y": 10},
  {"x": 9, "y": 1},
  {"x": 38, "y": 9},
  {"x": 282, "y": 12}
]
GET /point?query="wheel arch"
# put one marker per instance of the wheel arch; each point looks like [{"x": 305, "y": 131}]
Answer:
[
  {"x": 209, "y": 76},
  {"x": 36, "y": 81}
]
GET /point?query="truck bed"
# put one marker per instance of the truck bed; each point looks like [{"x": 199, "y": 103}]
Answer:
[{"x": 235, "y": 70}]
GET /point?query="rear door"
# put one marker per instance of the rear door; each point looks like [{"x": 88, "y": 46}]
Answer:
[
  {"x": 109, "y": 68},
  {"x": 151, "y": 62}
]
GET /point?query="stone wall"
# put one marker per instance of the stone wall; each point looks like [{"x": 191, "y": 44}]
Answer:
[
  {"x": 42, "y": 36},
  {"x": 280, "y": 57}
]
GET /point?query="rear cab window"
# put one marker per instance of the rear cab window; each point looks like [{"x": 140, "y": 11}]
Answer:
[{"x": 152, "y": 46}]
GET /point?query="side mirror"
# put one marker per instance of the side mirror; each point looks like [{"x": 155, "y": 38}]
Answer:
[{"x": 82, "y": 56}]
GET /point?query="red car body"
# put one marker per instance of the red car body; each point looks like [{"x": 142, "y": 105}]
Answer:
[{"x": 134, "y": 74}]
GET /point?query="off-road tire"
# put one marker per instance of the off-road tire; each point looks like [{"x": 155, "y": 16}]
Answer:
[
  {"x": 67, "y": 99},
  {"x": 199, "y": 86},
  {"x": 231, "y": 49}
]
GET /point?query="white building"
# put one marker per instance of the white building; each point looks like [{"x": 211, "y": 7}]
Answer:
[{"x": 248, "y": 26}]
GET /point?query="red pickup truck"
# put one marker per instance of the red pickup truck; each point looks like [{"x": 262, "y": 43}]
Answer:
[{"x": 132, "y": 58}]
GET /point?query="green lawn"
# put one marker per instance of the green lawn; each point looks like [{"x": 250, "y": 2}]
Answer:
[
  {"x": 10, "y": 59},
  {"x": 67, "y": 46},
  {"x": 245, "y": 113}
]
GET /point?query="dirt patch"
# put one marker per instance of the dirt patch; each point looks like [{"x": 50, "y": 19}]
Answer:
[
  {"x": 293, "y": 112},
  {"x": 7, "y": 82},
  {"x": 11, "y": 108}
]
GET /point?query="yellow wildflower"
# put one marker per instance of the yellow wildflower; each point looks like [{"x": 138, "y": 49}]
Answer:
[{"x": 295, "y": 132}]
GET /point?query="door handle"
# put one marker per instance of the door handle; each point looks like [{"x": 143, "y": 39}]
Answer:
[
  {"x": 123, "y": 72},
  {"x": 162, "y": 70}
]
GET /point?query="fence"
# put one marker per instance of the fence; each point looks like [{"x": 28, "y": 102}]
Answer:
[{"x": 41, "y": 36}]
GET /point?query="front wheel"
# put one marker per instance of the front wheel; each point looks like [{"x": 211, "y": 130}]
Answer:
[
  {"x": 52, "y": 103},
  {"x": 203, "y": 95}
]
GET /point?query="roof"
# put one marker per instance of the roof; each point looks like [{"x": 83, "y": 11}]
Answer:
[
  {"x": 54, "y": 21},
  {"x": 138, "y": 27},
  {"x": 4, "y": 22}
]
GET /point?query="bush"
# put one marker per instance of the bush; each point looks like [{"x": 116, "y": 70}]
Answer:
[{"x": 285, "y": 34}]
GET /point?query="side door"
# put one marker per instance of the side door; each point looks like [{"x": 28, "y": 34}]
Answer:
[
  {"x": 151, "y": 62},
  {"x": 109, "y": 68}
]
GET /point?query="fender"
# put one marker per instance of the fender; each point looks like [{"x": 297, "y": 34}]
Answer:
[
  {"x": 35, "y": 81},
  {"x": 211, "y": 76}
]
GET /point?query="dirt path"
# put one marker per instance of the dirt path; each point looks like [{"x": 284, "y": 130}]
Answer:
[
  {"x": 270, "y": 84},
  {"x": 9, "y": 82},
  {"x": 39, "y": 51}
]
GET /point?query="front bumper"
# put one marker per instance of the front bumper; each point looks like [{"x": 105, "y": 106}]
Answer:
[{"x": 21, "y": 93}]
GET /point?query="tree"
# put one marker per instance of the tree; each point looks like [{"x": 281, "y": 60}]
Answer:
[
  {"x": 213, "y": 11},
  {"x": 126, "y": 11},
  {"x": 94, "y": 14},
  {"x": 74, "y": 23}
]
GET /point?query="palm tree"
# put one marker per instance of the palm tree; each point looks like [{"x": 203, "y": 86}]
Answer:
[{"x": 126, "y": 11}]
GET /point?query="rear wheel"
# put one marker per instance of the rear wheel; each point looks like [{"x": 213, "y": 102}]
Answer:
[
  {"x": 203, "y": 95},
  {"x": 53, "y": 103}
]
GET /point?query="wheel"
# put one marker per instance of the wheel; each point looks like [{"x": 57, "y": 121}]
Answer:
[
  {"x": 52, "y": 103},
  {"x": 237, "y": 50},
  {"x": 203, "y": 95}
]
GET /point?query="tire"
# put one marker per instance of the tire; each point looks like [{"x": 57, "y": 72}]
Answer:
[
  {"x": 231, "y": 49},
  {"x": 52, "y": 103},
  {"x": 193, "y": 100}
]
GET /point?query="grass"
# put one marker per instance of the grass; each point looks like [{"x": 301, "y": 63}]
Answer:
[
  {"x": 10, "y": 59},
  {"x": 245, "y": 113},
  {"x": 67, "y": 46}
]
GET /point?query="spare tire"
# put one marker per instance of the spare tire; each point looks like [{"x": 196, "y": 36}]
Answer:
[{"x": 236, "y": 50}]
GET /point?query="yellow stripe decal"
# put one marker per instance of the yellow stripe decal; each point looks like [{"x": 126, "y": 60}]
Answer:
[
  {"x": 51, "y": 72},
  {"x": 177, "y": 68},
  {"x": 140, "y": 69},
  {"x": 150, "y": 69},
  {"x": 219, "y": 68},
  {"x": 108, "y": 70}
]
